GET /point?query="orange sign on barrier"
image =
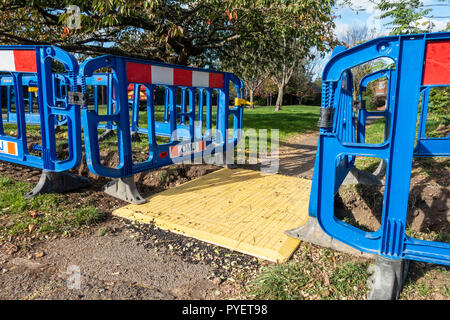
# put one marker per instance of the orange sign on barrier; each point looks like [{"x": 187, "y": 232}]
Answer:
[{"x": 8, "y": 147}]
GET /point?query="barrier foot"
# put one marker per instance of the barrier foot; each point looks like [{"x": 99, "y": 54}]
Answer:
[
  {"x": 356, "y": 176},
  {"x": 312, "y": 232},
  {"x": 106, "y": 134},
  {"x": 388, "y": 278},
  {"x": 124, "y": 189},
  {"x": 57, "y": 182},
  {"x": 135, "y": 136},
  {"x": 380, "y": 172}
]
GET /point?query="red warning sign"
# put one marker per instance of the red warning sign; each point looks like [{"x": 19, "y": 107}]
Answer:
[{"x": 437, "y": 63}]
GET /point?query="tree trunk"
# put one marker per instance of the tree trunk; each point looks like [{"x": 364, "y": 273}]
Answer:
[
  {"x": 251, "y": 93},
  {"x": 279, "y": 102}
]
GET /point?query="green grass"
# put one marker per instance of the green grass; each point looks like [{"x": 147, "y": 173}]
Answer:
[
  {"x": 41, "y": 215},
  {"x": 290, "y": 120},
  {"x": 374, "y": 135},
  {"x": 313, "y": 274},
  {"x": 426, "y": 281}
]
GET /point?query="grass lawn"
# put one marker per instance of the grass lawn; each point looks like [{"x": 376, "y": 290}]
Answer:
[
  {"x": 290, "y": 120},
  {"x": 44, "y": 214}
]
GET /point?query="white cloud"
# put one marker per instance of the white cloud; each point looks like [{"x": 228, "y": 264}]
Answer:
[
  {"x": 341, "y": 29},
  {"x": 438, "y": 25}
]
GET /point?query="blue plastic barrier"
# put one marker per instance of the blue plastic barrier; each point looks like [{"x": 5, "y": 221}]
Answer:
[
  {"x": 187, "y": 140},
  {"x": 429, "y": 146},
  {"x": 31, "y": 65},
  {"x": 421, "y": 62},
  {"x": 6, "y": 81}
]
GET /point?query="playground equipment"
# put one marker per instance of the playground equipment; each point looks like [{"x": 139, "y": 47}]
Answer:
[
  {"x": 63, "y": 100},
  {"x": 421, "y": 62}
]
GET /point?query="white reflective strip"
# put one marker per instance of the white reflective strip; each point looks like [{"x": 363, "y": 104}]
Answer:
[
  {"x": 7, "y": 60},
  {"x": 162, "y": 75},
  {"x": 200, "y": 79}
]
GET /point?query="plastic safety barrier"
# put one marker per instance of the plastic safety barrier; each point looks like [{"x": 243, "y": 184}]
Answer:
[
  {"x": 31, "y": 66},
  {"x": 191, "y": 135},
  {"x": 421, "y": 63},
  {"x": 429, "y": 146}
]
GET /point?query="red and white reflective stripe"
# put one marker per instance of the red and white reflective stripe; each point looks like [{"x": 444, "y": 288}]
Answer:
[
  {"x": 18, "y": 60},
  {"x": 145, "y": 73}
]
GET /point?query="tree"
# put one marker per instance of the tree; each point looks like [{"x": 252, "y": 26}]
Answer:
[
  {"x": 302, "y": 85},
  {"x": 164, "y": 30},
  {"x": 250, "y": 65},
  {"x": 406, "y": 16},
  {"x": 267, "y": 90},
  {"x": 355, "y": 35},
  {"x": 280, "y": 51},
  {"x": 252, "y": 83},
  {"x": 289, "y": 58}
]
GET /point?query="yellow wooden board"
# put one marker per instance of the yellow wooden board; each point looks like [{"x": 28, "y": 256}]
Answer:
[{"x": 239, "y": 209}]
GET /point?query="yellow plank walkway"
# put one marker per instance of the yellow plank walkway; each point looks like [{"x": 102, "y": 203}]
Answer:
[{"x": 239, "y": 209}]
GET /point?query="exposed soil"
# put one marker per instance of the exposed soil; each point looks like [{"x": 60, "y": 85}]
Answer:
[{"x": 429, "y": 202}]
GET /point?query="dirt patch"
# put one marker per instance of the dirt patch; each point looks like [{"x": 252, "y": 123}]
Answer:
[
  {"x": 109, "y": 267},
  {"x": 428, "y": 207}
]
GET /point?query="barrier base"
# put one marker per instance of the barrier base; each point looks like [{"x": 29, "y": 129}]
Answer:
[
  {"x": 380, "y": 172},
  {"x": 387, "y": 280},
  {"x": 312, "y": 232},
  {"x": 356, "y": 176},
  {"x": 124, "y": 189},
  {"x": 135, "y": 137},
  {"x": 57, "y": 182},
  {"x": 106, "y": 134}
]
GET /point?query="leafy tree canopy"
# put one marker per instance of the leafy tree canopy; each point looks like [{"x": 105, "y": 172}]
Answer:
[
  {"x": 405, "y": 15},
  {"x": 165, "y": 30}
]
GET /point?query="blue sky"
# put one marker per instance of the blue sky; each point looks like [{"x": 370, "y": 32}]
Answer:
[{"x": 369, "y": 16}]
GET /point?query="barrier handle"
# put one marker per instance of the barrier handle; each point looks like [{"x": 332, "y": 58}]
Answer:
[
  {"x": 49, "y": 110},
  {"x": 90, "y": 119}
]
